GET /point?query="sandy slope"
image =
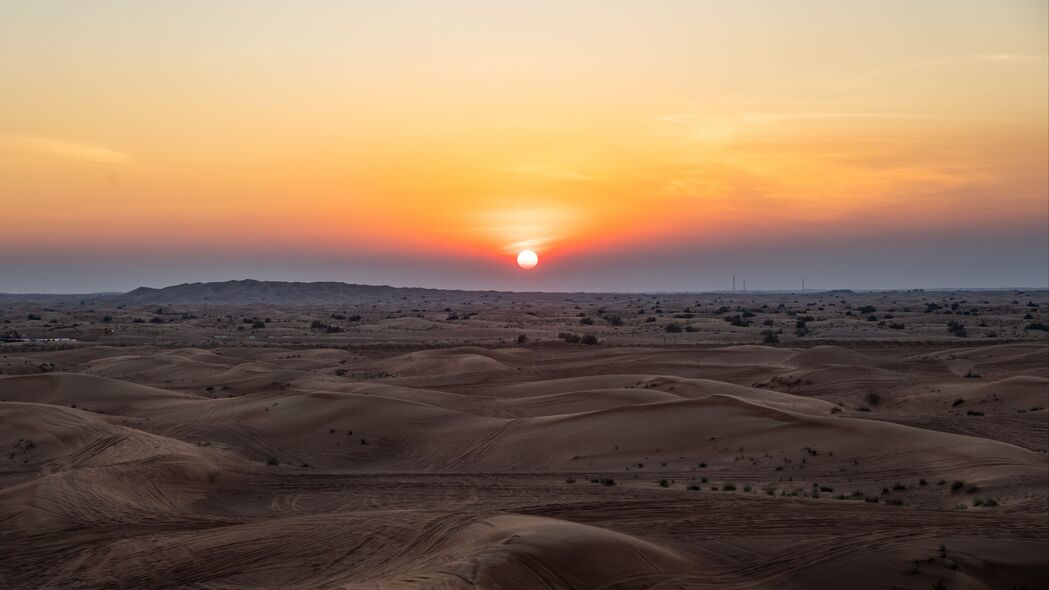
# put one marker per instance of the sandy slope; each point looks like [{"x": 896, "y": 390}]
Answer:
[{"x": 474, "y": 467}]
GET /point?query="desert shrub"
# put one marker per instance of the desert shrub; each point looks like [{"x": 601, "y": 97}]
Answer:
[
  {"x": 586, "y": 322},
  {"x": 747, "y": 488},
  {"x": 664, "y": 483},
  {"x": 694, "y": 488},
  {"x": 867, "y": 309},
  {"x": 570, "y": 480},
  {"x": 957, "y": 402},
  {"x": 258, "y": 324},
  {"x": 607, "y": 481},
  {"x": 974, "y": 413},
  {"x": 672, "y": 328},
  {"x": 522, "y": 339},
  {"x": 588, "y": 339},
  {"x": 770, "y": 337},
  {"x": 156, "y": 320},
  {"x": 957, "y": 485},
  {"x": 729, "y": 487},
  {"x": 896, "y": 326},
  {"x": 1037, "y": 326},
  {"x": 894, "y": 501},
  {"x": 957, "y": 328},
  {"x": 737, "y": 321},
  {"x": 615, "y": 321},
  {"x": 272, "y": 461},
  {"x": 873, "y": 398}
]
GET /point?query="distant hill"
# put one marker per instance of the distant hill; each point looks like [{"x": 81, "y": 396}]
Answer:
[{"x": 249, "y": 292}]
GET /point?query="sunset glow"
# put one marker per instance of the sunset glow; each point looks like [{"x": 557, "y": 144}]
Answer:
[{"x": 473, "y": 131}]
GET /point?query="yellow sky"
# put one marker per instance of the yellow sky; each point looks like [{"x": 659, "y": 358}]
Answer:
[{"x": 482, "y": 128}]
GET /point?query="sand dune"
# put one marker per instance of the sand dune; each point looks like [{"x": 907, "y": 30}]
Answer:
[{"x": 283, "y": 465}]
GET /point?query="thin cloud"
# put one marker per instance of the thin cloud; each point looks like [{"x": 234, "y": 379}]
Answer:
[
  {"x": 757, "y": 117},
  {"x": 66, "y": 150}
]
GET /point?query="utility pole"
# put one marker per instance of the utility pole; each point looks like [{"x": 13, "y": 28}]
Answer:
[
  {"x": 802, "y": 285},
  {"x": 733, "y": 282},
  {"x": 744, "y": 285}
]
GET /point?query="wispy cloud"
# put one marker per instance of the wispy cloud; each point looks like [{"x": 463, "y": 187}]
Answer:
[
  {"x": 758, "y": 117},
  {"x": 66, "y": 150},
  {"x": 966, "y": 59}
]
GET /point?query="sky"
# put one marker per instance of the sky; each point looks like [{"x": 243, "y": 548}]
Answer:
[{"x": 634, "y": 145}]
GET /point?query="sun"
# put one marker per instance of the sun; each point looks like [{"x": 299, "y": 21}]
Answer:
[{"x": 527, "y": 259}]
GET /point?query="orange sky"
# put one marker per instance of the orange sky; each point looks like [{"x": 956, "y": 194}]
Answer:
[{"x": 468, "y": 129}]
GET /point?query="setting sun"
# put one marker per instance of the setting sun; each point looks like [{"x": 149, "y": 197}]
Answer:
[{"x": 527, "y": 259}]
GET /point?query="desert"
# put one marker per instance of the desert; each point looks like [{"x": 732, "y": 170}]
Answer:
[
  {"x": 439, "y": 439},
  {"x": 524, "y": 295}
]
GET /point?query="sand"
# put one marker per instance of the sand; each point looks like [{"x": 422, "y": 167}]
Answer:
[{"x": 423, "y": 452}]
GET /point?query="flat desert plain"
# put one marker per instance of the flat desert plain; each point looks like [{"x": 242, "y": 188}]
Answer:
[{"x": 467, "y": 440}]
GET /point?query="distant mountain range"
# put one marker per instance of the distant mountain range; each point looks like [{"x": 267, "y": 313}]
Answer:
[{"x": 269, "y": 292}]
